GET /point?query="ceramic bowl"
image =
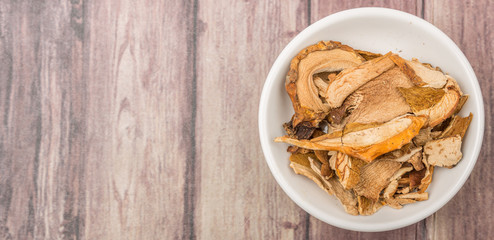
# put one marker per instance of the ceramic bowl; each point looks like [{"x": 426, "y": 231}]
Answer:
[{"x": 377, "y": 30}]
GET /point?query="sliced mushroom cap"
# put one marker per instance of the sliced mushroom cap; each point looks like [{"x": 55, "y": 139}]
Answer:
[
  {"x": 348, "y": 169},
  {"x": 421, "y": 75},
  {"x": 429, "y": 75},
  {"x": 367, "y": 206},
  {"x": 444, "y": 108},
  {"x": 366, "y": 144},
  {"x": 378, "y": 100},
  {"x": 416, "y": 161},
  {"x": 374, "y": 177},
  {"x": 322, "y": 57},
  {"x": 301, "y": 165},
  {"x": 457, "y": 126},
  {"x": 351, "y": 79},
  {"x": 416, "y": 178},
  {"x": 445, "y": 152},
  {"x": 414, "y": 196}
]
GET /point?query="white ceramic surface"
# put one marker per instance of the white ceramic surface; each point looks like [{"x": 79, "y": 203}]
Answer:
[{"x": 376, "y": 30}]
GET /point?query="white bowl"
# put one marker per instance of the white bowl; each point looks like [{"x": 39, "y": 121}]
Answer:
[{"x": 376, "y": 30}]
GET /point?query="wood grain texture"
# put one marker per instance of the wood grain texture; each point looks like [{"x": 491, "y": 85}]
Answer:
[
  {"x": 137, "y": 119},
  {"x": 237, "y": 42}
]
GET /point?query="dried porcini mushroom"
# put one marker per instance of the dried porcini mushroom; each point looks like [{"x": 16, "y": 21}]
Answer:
[
  {"x": 351, "y": 79},
  {"x": 457, "y": 126},
  {"x": 379, "y": 99},
  {"x": 380, "y": 123},
  {"x": 379, "y": 139},
  {"x": 368, "y": 55},
  {"x": 445, "y": 107},
  {"x": 374, "y": 177},
  {"x": 444, "y": 152},
  {"x": 325, "y": 56},
  {"x": 348, "y": 170},
  {"x": 367, "y": 206},
  {"x": 420, "y": 98}
]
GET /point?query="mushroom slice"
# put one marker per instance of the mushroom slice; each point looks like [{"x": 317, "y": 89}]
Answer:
[
  {"x": 406, "y": 157},
  {"x": 398, "y": 174},
  {"x": 437, "y": 104},
  {"x": 444, "y": 152},
  {"x": 457, "y": 126},
  {"x": 351, "y": 79},
  {"x": 416, "y": 161},
  {"x": 427, "y": 179},
  {"x": 444, "y": 108},
  {"x": 325, "y": 56},
  {"x": 414, "y": 196},
  {"x": 463, "y": 100},
  {"x": 416, "y": 178},
  {"x": 323, "y": 157},
  {"x": 421, "y": 75},
  {"x": 301, "y": 165},
  {"x": 432, "y": 77},
  {"x": 425, "y": 135},
  {"x": 374, "y": 177},
  {"x": 368, "y": 55},
  {"x": 367, "y": 206},
  {"x": 348, "y": 169},
  {"x": 388, "y": 195},
  {"x": 369, "y": 141},
  {"x": 420, "y": 98},
  {"x": 379, "y": 100}
]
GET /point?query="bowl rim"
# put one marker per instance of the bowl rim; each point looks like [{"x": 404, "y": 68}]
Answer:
[{"x": 268, "y": 154}]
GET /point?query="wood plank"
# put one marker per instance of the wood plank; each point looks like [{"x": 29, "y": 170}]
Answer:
[
  {"x": 469, "y": 214},
  {"x": 323, "y": 8},
  {"x": 20, "y": 132},
  {"x": 139, "y": 118},
  {"x": 319, "y": 229},
  {"x": 237, "y": 198}
]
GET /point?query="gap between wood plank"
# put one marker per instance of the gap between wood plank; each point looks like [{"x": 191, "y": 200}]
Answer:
[{"x": 190, "y": 169}]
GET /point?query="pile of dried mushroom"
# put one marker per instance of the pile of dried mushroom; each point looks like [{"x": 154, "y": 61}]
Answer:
[{"x": 370, "y": 128}]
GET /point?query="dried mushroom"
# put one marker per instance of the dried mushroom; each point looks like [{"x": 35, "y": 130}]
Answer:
[
  {"x": 325, "y": 56},
  {"x": 367, "y": 206},
  {"x": 378, "y": 139},
  {"x": 445, "y": 152},
  {"x": 374, "y": 177},
  {"x": 378, "y": 100},
  {"x": 457, "y": 126},
  {"x": 348, "y": 169},
  {"x": 444, "y": 108},
  {"x": 351, "y": 79},
  {"x": 370, "y": 128}
]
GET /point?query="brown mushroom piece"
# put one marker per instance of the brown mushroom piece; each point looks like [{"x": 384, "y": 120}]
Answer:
[
  {"x": 457, "y": 126},
  {"x": 325, "y": 56},
  {"x": 351, "y": 79},
  {"x": 379, "y": 139},
  {"x": 301, "y": 165},
  {"x": 348, "y": 169},
  {"x": 420, "y": 74},
  {"x": 437, "y": 112},
  {"x": 444, "y": 152},
  {"x": 374, "y": 177},
  {"x": 379, "y": 100},
  {"x": 367, "y": 206}
]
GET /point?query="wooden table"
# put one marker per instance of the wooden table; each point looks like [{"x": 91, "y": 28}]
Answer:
[{"x": 138, "y": 119}]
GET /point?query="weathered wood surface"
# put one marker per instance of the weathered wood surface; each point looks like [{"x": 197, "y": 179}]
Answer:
[{"x": 137, "y": 119}]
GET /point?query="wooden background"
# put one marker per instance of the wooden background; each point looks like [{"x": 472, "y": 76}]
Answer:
[{"x": 138, "y": 119}]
